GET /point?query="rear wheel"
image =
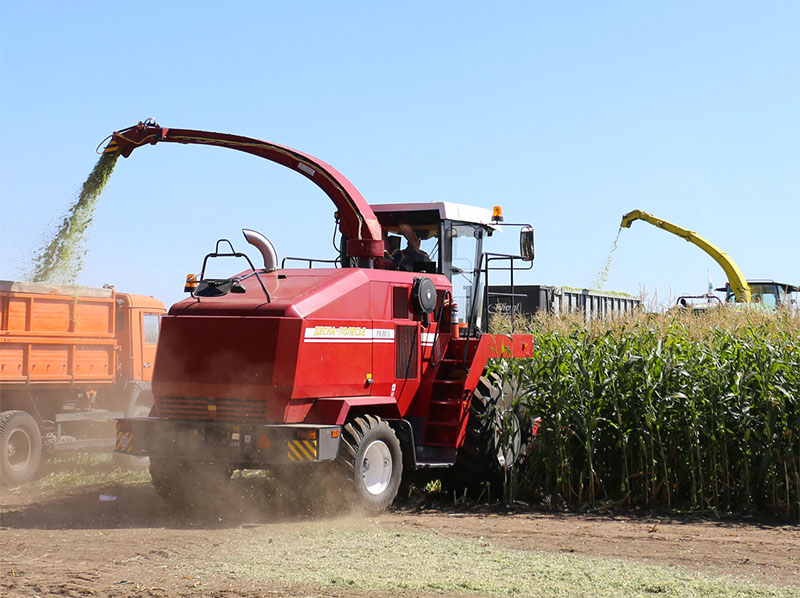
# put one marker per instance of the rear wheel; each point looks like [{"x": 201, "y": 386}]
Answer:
[
  {"x": 371, "y": 459},
  {"x": 493, "y": 443},
  {"x": 20, "y": 447}
]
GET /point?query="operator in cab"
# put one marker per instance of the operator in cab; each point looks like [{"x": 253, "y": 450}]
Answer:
[{"x": 408, "y": 258}]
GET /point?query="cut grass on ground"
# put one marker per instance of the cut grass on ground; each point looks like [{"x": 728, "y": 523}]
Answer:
[
  {"x": 364, "y": 557},
  {"x": 81, "y": 471}
]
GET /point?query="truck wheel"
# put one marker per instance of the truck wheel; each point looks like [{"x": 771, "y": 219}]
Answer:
[
  {"x": 20, "y": 447},
  {"x": 188, "y": 483},
  {"x": 371, "y": 459},
  {"x": 493, "y": 443}
]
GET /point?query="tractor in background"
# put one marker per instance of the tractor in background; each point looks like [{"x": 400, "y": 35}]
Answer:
[{"x": 762, "y": 295}]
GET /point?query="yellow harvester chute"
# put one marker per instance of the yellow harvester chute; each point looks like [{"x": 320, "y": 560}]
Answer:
[{"x": 735, "y": 277}]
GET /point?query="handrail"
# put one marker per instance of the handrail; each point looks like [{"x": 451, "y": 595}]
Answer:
[
  {"x": 309, "y": 260},
  {"x": 232, "y": 253}
]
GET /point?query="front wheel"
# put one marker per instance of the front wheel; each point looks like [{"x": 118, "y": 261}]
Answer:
[
  {"x": 371, "y": 458},
  {"x": 20, "y": 447}
]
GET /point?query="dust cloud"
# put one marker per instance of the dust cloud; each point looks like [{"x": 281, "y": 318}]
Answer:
[
  {"x": 111, "y": 498},
  {"x": 316, "y": 491}
]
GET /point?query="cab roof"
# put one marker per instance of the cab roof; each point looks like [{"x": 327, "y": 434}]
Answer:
[
  {"x": 447, "y": 211},
  {"x": 789, "y": 288}
]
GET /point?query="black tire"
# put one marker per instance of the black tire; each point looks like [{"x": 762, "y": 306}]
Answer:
[
  {"x": 488, "y": 454},
  {"x": 20, "y": 447},
  {"x": 189, "y": 483},
  {"x": 372, "y": 461}
]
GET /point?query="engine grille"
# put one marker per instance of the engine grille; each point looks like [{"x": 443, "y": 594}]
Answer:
[{"x": 201, "y": 409}]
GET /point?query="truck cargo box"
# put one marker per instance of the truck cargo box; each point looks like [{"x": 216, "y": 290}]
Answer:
[
  {"x": 55, "y": 334},
  {"x": 529, "y": 299}
]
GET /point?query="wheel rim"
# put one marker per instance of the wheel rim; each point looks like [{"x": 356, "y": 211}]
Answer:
[
  {"x": 507, "y": 452},
  {"x": 18, "y": 449},
  {"x": 376, "y": 467}
]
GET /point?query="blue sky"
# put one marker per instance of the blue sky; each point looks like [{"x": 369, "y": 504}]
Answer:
[{"x": 568, "y": 114}]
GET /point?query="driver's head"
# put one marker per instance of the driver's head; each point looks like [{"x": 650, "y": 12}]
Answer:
[{"x": 409, "y": 234}]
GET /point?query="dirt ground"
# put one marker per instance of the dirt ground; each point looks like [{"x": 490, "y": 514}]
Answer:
[{"x": 74, "y": 543}]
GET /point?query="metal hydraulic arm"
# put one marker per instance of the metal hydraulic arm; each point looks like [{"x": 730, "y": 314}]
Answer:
[
  {"x": 357, "y": 220},
  {"x": 735, "y": 277}
]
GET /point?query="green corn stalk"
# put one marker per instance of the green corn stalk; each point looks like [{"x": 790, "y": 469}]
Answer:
[{"x": 665, "y": 411}]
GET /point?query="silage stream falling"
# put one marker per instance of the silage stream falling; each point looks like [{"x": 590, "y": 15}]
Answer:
[
  {"x": 61, "y": 259},
  {"x": 602, "y": 277}
]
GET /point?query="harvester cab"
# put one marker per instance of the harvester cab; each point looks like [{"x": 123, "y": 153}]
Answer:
[
  {"x": 768, "y": 293},
  {"x": 448, "y": 238}
]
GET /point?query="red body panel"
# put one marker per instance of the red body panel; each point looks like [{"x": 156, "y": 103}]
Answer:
[{"x": 327, "y": 342}]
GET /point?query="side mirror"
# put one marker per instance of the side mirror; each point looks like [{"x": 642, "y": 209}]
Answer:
[{"x": 526, "y": 243}]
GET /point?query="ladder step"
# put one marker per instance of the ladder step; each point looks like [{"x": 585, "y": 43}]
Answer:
[{"x": 452, "y": 369}]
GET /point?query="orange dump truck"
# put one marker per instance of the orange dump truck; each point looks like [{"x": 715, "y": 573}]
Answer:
[{"x": 72, "y": 359}]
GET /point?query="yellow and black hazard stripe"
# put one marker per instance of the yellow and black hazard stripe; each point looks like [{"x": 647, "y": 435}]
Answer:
[
  {"x": 112, "y": 147},
  {"x": 302, "y": 450},
  {"x": 124, "y": 442}
]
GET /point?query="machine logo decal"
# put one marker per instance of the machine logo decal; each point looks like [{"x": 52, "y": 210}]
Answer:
[
  {"x": 348, "y": 334},
  {"x": 306, "y": 168}
]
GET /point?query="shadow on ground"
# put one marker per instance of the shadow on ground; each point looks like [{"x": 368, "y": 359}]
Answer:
[
  {"x": 244, "y": 501},
  {"x": 259, "y": 501}
]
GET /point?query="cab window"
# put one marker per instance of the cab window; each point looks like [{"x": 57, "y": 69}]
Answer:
[
  {"x": 466, "y": 250},
  {"x": 411, "y": 241},
  {"x": 151, "y": 326},
  {"x": 765, "y": 294}
]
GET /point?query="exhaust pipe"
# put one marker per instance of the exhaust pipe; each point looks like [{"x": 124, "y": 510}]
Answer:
[{"x": 260, "y": 242}]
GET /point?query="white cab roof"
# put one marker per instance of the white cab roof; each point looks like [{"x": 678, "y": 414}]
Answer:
[{"x": 447, "y": 211}]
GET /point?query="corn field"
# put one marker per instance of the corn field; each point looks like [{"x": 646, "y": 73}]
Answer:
[{"x": 662, "y": 411}]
